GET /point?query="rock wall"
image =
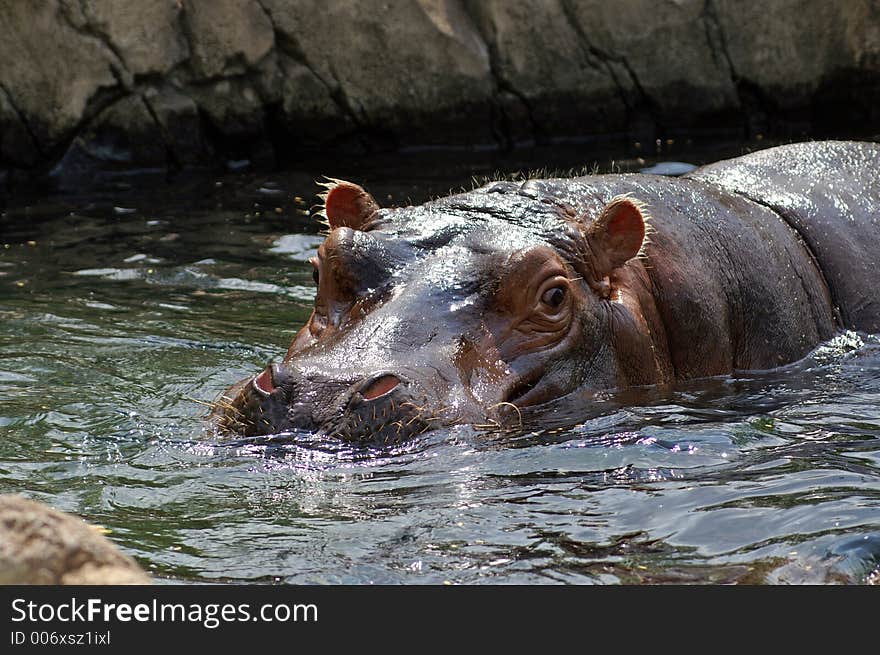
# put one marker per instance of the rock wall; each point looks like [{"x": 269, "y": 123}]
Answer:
[{"x": 180, "y": 82}]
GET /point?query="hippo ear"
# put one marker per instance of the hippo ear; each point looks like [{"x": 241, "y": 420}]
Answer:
[
  {"x": 618, "y": 234},
  {"x": 348, "y": 205}
]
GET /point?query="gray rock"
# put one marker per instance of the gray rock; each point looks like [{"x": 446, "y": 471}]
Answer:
[
  {"x": 228, "y": 37},
  {"x": 181, "y": 129},
  {"x": 232, "y": 106},
  {"x": 52, "y": 72},
  {"x": 155, "y": 129},
  {"x": 230, "y": 79},
  {"x": 40, "y": 545},
  {"x": 414, "y": 69},
  {"x": 661, "y": 56},
  {"x": 125, "y": 133},
  {"x": 16, "y": 141},
  {"x": 540, "y": 58},
  {"x": 309, "y": 114},
  {"x": 146, "y": 35},
  {"x": 787, "y": 48}
]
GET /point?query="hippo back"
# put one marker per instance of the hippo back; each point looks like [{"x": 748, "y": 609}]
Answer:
[{"x": 829, "y": 192}]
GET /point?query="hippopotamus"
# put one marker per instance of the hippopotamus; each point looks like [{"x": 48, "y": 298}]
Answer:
[{"x": 484, "y": 304}]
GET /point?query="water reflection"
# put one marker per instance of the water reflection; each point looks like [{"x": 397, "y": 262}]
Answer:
[{"x": 116, "y": 328}]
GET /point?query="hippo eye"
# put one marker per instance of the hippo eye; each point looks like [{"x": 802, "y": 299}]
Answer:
[{"x": 554, "y": 297}]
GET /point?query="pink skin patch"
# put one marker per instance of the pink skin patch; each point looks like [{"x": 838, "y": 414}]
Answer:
[
  {"x": 263, "y": 382},
  {"x": 380, "y": 387}
]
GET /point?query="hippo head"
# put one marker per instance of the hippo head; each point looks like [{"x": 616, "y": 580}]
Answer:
[{"x": 466, "y": 309}]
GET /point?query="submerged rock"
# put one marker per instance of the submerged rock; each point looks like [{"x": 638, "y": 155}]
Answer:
[{"x": 41, "y": 545}]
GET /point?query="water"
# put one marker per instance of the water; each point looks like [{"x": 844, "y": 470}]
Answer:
[{"x": 125, "y": 308}]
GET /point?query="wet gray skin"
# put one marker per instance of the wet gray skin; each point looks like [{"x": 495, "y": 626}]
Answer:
[
  {"x": 398, "y": 340},
  {"x": 486, "y": 306}
]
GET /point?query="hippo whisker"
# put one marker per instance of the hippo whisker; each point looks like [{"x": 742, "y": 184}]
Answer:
[
  {"x": 208, "y": 403},
  {"x": 222, "y": 402},
  {"x": 509, "y": 404}
]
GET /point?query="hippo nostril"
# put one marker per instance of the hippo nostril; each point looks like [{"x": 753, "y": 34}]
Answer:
[
  {"x": 263, "y": 382},
  {"x": 380, "y": 386}
]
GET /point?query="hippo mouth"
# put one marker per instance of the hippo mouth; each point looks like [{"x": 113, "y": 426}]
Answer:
[
  {"x": 383, "y": 408},
  {"x": 526, "y": 391}
]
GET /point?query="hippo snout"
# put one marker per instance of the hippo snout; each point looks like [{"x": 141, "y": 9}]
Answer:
[{"x": 381, "y": 407}]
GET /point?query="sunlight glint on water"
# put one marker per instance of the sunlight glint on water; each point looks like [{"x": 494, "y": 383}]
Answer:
[{"x": 116, "y": 329}]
